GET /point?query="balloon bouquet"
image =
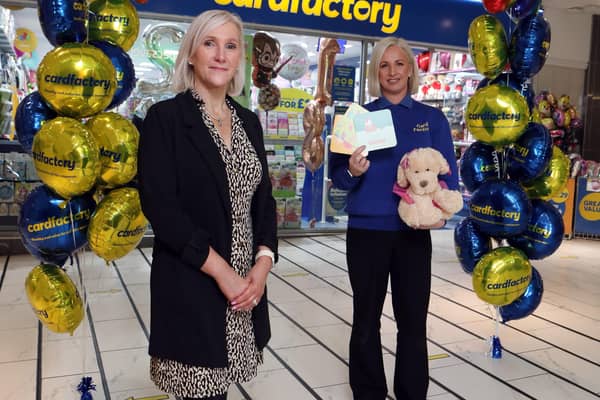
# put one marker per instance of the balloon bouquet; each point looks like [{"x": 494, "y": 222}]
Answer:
[
  {"x": 560, "y": 117},
  {"x": 313, "y": 148},
  {"x": 87, "y": 73},
  {"x": 512, "y": 169}
]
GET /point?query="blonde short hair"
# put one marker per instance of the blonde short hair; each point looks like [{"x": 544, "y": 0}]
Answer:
[
  {"x": 374, "y": 87},
  {"x": 183, "y": 77}
]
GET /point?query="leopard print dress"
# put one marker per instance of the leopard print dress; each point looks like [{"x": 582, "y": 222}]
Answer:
[{"x": 244, "y": 173}]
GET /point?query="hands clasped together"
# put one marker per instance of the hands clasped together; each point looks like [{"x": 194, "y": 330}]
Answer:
[{"x": 245, "y": 293}]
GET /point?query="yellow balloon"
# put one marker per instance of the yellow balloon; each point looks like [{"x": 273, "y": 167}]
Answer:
[
  {"x": 552, "y": 182},
  {"x": 488, "y": 45},
  {"x": 114, "y": 21},
  {"x": 77, "y": 80},
  {"x": 497, "y": 115},
  {"x": 117, "y": 225},
  {"x": 117, "y": 140},
  {"x": 66, "y": 157},
  {"x": 54, "y": 298},
  {"x": 502, "y": 275}
]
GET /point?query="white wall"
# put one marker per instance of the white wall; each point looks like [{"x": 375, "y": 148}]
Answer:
[{"x": 571, "y": 38}]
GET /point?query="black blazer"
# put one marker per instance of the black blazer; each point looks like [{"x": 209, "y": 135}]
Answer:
[{"x": 185, "y": 196}]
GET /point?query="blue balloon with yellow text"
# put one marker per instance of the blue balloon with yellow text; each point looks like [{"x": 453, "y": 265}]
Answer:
[
  {"x": 500, "y": 208},
  {"x": 470, "y": 244},
  {"x": 32, "y": 113},
  {"x": 527, "y": 303},
  {"x": 53, "y": 226},
  {"x": 544, "y": 232},
  {"x": 63, "y": 21},
  {"x": 528, "y": 158},
  {"x": 529, "y": 46},
  {"x": 125, "y": 72},
  {"x": 479, "y": 163}
]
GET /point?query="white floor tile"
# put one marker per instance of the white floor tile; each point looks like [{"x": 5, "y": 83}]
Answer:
[
  {"x": 18, "y": 345},
  {"x": 326, "y": 372},
  {"x": 127, "y": 370},
  {"x": 120, "y": 334},
  {"x": 68, "y": 357},
  {"x": 276, "y": 385},
  {"x": 17, "y": 380}
]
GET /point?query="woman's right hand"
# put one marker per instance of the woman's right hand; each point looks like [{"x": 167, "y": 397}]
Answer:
[
  {"x": 230, "y": 283},
  {"x": 358, "y": 164}
]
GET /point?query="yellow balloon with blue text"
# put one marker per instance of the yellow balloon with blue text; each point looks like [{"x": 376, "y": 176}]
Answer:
[
  {"x": 117, "y": 225},
  {"x": 488, "y": 45},
  {"x": 54, "y": 298},
  {"x": 501, "y": 276},
  {"x": 117, "y": 140},
  {"x": 554, "y": 179},
  {"x": 114, "y": 21},
  {"x": 77, "y": 80},
  {"x": 497, "y": 115},
  {"x": 66, "y": 157}
]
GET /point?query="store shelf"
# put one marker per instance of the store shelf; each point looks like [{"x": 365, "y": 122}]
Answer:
[
  {"x": 5, "y": 45},
  {"x": 8, "y": 146}
]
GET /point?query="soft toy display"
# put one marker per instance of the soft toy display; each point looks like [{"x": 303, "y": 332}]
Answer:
[{"x": 424, "y": 198}]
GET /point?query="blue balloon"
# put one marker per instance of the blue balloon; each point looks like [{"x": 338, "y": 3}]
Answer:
[
  {"x": 45, "y": 222},
  {"x": 527, "y": 302},
  {"x": 479, "y": 163},
  {"x": 544, "y": 232},
  {"x": 57, "y": 258},
  {"x": 470, "y": 244},
  {"x": 500, "y": 208},
  {"x": 31, "y": 113},
  {"x": 529, "y": 46},
  {"x": 529, "y": 156},
  {"x": 522, "y": 8},
  {"x": 63, "y": 21},
  {"x": 124, "y": 68}
]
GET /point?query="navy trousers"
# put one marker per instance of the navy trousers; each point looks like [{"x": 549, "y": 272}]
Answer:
[{"x": 404, "y": 257}]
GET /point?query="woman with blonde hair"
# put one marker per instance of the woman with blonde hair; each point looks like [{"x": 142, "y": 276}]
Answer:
[
  {"x": 205, "y": 188},
  {"x": 379, "y": 246}
]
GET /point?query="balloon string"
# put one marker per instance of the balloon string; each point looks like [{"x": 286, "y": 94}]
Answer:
[
  {"x": 76, "y": 256},
  {"x": 503, "y": 154},
  {"x": 497, "y": 323}
]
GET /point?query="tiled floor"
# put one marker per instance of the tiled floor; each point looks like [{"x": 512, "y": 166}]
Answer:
[{"x": 552, "y": 354}]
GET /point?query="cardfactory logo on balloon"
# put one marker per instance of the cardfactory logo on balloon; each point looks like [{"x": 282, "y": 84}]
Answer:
[
  {"x": 54, "y": 222},
  {"x": 489, "y": 211},
  {"x": 53, "y": 161},
  {"x": 519, "y": 282},
  {"x": 115, "y": 19},
  {"x": 133, "y": 232},
  {"x": 73, "y": 80},
  {"x": 375, "y": 12}
]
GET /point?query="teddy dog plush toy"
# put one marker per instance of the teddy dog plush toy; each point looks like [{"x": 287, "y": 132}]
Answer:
[{"x": 424, "y": 198}]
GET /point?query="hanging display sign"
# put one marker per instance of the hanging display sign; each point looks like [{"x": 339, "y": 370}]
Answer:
[
  {"x": 344, "y": 82},
  {"x": 435, "y": 21}
]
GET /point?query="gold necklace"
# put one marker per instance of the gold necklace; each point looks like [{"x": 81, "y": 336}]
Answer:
[{"x": 218, "y": 120}]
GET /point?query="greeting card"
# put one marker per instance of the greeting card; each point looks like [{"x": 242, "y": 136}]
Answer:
[{"x": 359, "y": 127}]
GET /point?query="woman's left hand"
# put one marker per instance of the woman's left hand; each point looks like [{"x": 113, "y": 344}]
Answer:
[
  {"x": 257, "y": 279},
  {"x": 437, "y": 225}
]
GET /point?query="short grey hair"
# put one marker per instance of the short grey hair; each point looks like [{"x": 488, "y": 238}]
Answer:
[
  {"x": 374, "y": 86},
  {"x": 183, "y": 77}
]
